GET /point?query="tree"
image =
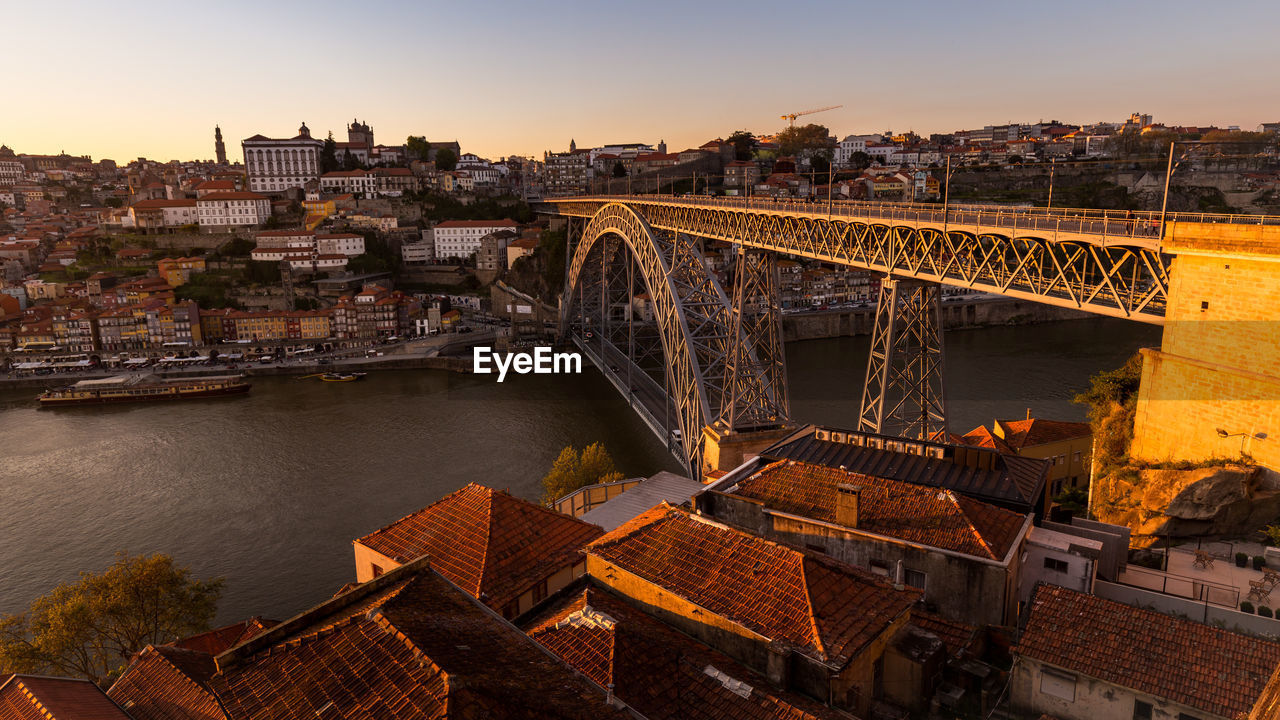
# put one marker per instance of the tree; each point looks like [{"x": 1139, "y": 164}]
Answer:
[
  {"x": 744, "y": 144},
  {"x": 1013, "y": 160},
  {"x": 860, "y": 160},
  {"x": 92, "y": 627},
  {"x": 619, "y": 170},
  {"x": 418, "y": 145},
  {"x": 1073, "y": 499},
  {"x": 329, "y": 155},
  {"x": 811, "y": 140},
  {"x": 446, "y": 159},
  {"x": 573, "y": 470}
]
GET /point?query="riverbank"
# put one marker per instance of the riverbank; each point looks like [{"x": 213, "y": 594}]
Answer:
[{"x": 967, "y": 313}]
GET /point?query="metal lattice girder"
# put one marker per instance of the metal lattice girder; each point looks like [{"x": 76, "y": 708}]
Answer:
[
  {"x": 757, "y": 373},
  {"x": 692, "y": 314},
  {"x": 903, "y": 392},
  {"x": 1118, "y": 278}
]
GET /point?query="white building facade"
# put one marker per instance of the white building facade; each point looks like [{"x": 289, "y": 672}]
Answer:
[
  {"x": 276, "y": 165},
  {"x": 461, "y": 238},
  {"x": 232, "y": 209}
]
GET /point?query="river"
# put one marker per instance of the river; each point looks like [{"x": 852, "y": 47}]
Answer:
[{"x": 268, "y": 490}]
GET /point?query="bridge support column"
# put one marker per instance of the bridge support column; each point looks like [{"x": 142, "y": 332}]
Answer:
[{"x": 903, "y": 393}]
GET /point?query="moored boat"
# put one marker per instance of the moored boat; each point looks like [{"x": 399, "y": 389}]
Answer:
[
  {"x": 342, "y": 377},
  {"x": 126, "y": 388}
]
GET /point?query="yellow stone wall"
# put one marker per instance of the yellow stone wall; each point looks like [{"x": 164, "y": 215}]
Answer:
[{"x": 1219, "y": 362}]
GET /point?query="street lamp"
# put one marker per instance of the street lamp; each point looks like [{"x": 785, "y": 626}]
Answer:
[{"x": 1244, "y": 436}]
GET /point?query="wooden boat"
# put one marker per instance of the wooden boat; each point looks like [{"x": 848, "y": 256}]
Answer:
[
  {"x": 126, "y": 388},
  {"x": 342, "y": 377}
]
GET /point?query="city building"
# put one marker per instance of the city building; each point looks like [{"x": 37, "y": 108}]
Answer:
[
  {"x": 509, "y": 552},
  {"x": 226, "y": 211},
  {"x": 807, "y": 623},
  {"x": 492, "y": 252},
  {"x": 657, "y": 670},
  {"x": 275, "y": 165},
  {"x": 1066, "y": 445},
  {"x": 1082, "y": 657},
  {"x": 156, "y": 215},
  {"x": 961, "y": 553},
  {"x": 408, "y": 644},
  {"x": 219, "y": 147},
  {"x": 461, "y": 238}
]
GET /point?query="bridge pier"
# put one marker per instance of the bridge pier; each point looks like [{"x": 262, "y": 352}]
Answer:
[
  {"x": 903, "y": 393},
  {"x": 1212, "y": 389}
]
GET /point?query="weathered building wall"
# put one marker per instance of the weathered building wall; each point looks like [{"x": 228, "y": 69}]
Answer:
[
  {"x": 1036, "y": 688},
  {"x": 1218, "y": 367},
  {"x": 964, "y": 589}
]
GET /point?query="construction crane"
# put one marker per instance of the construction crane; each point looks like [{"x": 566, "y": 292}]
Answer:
[{"x": 791, "y": 118}]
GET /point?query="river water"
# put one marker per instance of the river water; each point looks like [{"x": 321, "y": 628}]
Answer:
[{"x": 269, "y": 489}]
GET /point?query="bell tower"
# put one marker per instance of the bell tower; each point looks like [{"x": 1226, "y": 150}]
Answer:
[{"x": 219, "y": 148}]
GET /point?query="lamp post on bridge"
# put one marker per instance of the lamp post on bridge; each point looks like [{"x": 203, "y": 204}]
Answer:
[{"x": 1052, "y": 162}]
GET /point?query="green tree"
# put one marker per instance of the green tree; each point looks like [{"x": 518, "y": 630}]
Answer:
[
  {"x": 1074, "y": 500},
  {"x": 860, "y": 160},
  {"x": 236, "y": 247},
  {"x": 619, "y": 170},
  {"x": 1112, "y": 398},
  {"x": 446, "y": 159},
  {"x": 744, "y": 144},
  {"x": 418, "y": 145},
  {"x": 811, "y": 140},
  {"x": 329, "y": 155},
  {"x": 573, "y": 470},
  {"x": 92, "y": 627}
]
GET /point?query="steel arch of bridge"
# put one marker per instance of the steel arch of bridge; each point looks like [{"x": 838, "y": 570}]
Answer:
[
  {"x": 694, "y": 317},
  {"x": 1118, "y": 280}
]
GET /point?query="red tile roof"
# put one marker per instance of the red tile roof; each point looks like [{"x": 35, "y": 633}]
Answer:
[
  {"x": 1207, "y": 668},
  {"x": 168, "y": 683},
  {"x": 1034, "y": 431},
  {"x": 662, "y": 673},
  {"x": 495, "y": 546},
  {"x": 32, "y": 697},
  {"x": 982, "y": 437},
  {"x": 408, "y": 644},
  {"x": 892, "y": 508},
  {"x": 219, "y": 640},
  {"x": 824, "y": 609}
]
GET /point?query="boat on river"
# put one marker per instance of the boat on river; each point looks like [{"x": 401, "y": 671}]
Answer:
[
  {"x": 143, "y": 388},
  {"x": 342, "y": 377}
]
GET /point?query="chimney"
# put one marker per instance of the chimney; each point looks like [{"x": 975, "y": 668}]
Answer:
[
  {"x": 848, "y": 498},
  {"x": 1028, "y": 413}
]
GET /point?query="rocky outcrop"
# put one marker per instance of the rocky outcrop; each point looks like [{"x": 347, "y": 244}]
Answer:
[{"x": 1218, "y": 500}]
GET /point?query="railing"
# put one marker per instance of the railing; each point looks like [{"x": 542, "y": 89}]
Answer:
[
  {"x": 1111, "y": 225},
  {"x": 1196, "y": 589}
]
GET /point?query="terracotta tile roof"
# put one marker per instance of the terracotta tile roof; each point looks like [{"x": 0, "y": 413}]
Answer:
[
  {"x": 822, "y": 608},
  {"x": 219, "y": 640},
  {"x": 408, "y": 644},
  {"x": 957, "y": 636},
  {"x": 1207, "y": 668},
  {"x": 661, "y": 672},
  {"x": 33, "y": 697},
  {"x": 168, "y": 683},
  {"x": 495, "y": 546},
  {"x": 1011, "y": 482},
  {"x": 1034, "y": 431},
  {"x": 981, "y": 436},
  {"x": 922, "y": 515}
]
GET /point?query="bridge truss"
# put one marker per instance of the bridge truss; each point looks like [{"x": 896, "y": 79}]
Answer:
[{"x": 697, "y": 347}]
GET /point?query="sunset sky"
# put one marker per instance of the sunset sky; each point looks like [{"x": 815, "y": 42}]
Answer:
[{"x": 152, "y": 79}]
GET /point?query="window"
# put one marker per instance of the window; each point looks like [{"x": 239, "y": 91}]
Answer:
[
  {"x": 1141, "y": 710},
  {"x": 1075, "y": 457},
  {"x": 915, "y": 579},
  {"x": 1055, "y": 564},
  {"x": 377, "y": 569},
  {"x": 1184, "y": 716},
  {"x": 1058, "y": 684}
]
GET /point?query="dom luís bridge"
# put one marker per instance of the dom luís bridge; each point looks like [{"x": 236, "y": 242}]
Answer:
[{"x": 703, "y": 364}]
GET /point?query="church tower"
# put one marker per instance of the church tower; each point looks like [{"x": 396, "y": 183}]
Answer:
[
  {"x": 219, "y": 148},
  {"x": 573, "y": 146}
]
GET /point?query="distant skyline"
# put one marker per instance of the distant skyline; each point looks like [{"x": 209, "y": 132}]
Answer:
[{"x": 513, "y": 78}]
